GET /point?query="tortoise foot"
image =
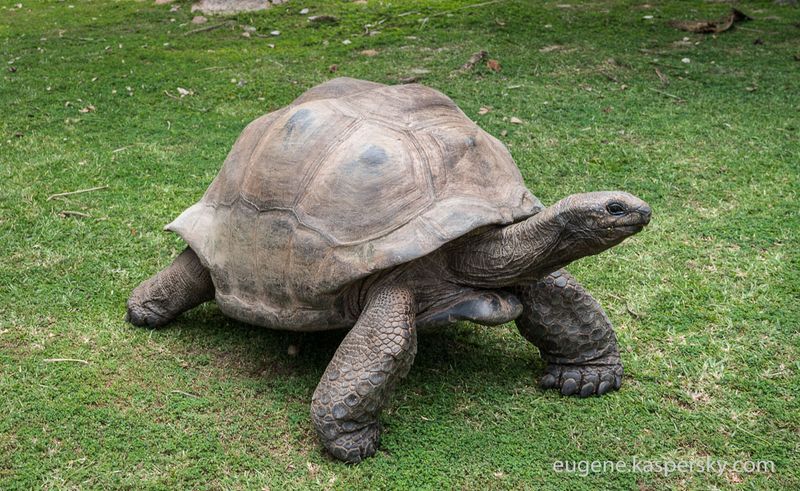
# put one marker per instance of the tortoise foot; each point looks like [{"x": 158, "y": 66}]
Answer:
[
  {"x": 144, "y": 309},
  {"x": 144, "y": 316},
  {"x": 183, "y": 285},
  {"x": 354, "y": 446},
  {"x": 582, "y": 380}
]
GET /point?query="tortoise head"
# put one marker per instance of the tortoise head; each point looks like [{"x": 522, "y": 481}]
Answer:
[
  {"x": 593, "y": 222},
  {"x": 582, "y": 225}
]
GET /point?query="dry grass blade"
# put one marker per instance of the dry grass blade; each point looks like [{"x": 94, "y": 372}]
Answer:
[
  {"x": 187, "y": 394},
  {"x": 208, "y": 28},
  {"x": 672, "y": 96},
  {"x": 70, "y": 193},
  {"x": 71, "y": 213},
  {"x": 65, "y": 360},
  {"x": 663, "y": 78}
]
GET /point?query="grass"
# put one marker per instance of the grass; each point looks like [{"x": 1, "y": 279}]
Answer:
[{"x": 705, "y": 301}]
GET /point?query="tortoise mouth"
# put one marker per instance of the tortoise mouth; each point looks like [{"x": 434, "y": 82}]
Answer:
[
  {"x": 625, "y": 229},
  {"x": 631, "y": 229}
]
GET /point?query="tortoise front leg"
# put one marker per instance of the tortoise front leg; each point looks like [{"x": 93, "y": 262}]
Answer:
[
  {"x": 573, "y": 334},
  {"x": 374, "y": 355}
]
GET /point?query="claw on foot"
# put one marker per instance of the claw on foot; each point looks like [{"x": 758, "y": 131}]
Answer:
[
  {"x": 354, "y": 446},
  {"x": 582, "y": 380}
]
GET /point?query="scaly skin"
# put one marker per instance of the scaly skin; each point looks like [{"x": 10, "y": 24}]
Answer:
[
  {"x": 573, "y": 335},
  {"x": 375, "y": 354}
]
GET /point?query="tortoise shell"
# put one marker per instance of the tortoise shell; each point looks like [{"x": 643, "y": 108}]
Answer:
[{"x": 352, "y": 178}]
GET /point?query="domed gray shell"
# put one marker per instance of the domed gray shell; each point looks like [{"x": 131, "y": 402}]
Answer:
[{"x": 352, "y": 178}]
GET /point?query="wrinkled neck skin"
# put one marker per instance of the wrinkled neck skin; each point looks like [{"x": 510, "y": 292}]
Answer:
[{"x": 500, "y": 257}]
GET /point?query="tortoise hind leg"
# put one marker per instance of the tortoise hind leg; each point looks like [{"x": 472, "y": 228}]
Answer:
[
  {"x": 376, "y": 353},
  {"x": 181, "y": 286},
  {"x": 572, "y": 333}
]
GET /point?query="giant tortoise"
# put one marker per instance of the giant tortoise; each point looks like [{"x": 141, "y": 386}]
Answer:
[{"x": 383, "y": 209}]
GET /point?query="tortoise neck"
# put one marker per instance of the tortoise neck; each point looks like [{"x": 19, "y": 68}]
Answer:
[{"x": 499, "y": 257}]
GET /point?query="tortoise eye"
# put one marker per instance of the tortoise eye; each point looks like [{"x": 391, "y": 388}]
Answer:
[{"x": 616, "y": 208}]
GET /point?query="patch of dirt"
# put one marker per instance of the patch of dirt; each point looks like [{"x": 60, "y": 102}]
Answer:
[{"x": 233, "y": 6}]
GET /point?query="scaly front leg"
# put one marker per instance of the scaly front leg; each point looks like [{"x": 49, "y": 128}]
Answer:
[
  {"x": 360, "y": 378},
  {"x": 573, "y": 335}
]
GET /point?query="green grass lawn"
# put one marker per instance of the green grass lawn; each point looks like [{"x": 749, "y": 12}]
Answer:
[{"x": 705, "y": 300}]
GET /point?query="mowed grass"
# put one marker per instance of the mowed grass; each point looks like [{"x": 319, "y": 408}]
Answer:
[{"x": 705, "y": 300}]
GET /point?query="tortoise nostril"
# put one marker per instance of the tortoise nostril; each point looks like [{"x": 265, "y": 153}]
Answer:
[{"x": 645, "y": 211}]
